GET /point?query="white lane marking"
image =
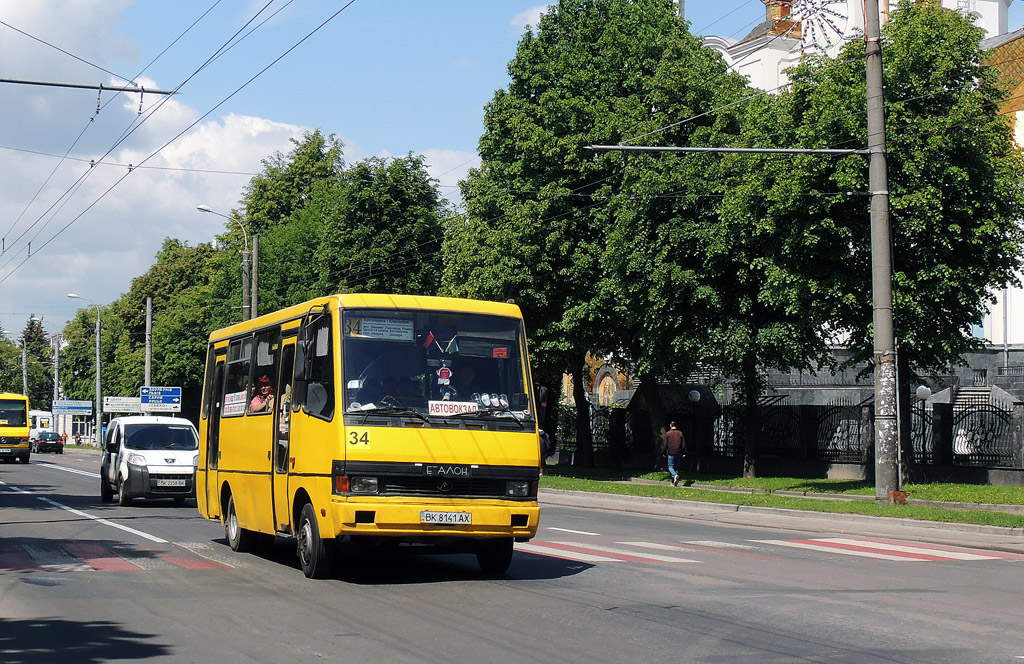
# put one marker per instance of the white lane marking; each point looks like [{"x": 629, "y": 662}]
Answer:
[
  {"x": 575, "y": 532},
  {"x": 66, "y": 469},
  {"x": 893, "y": 546},
  {"x": 832, "y": 549},
  {"x": 562, "y": 553},
  {"x": 151, "y": 538}
]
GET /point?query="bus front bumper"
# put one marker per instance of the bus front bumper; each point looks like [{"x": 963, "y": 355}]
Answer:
[{"x": 425, "y": 520}]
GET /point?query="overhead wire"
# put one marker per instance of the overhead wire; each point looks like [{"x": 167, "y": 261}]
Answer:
[{"x": 185, "y": 130}]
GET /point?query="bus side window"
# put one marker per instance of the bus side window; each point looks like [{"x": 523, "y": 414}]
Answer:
[
  {"x": 319, "y": 400},
  {"x": 237, "y": 387}
]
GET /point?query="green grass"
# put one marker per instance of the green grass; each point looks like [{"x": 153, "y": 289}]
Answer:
[{"x": 761, "y": 493}]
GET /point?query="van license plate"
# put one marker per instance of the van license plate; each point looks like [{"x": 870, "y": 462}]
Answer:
[
  {"x": 5, "y": 450},
  {"x": 447, "y": 518},
  {"x": 170, "y": 482}
]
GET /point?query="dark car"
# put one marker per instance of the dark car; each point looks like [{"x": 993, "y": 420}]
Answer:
[{"x": 48, "y": 441}]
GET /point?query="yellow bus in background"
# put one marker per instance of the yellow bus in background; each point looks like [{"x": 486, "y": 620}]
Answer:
[
  {"x": 14, "y": 427},
  {"x": 372, "y": 419}
]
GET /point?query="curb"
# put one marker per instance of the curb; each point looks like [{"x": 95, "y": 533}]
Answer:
[{"x": 995, "y": 538}]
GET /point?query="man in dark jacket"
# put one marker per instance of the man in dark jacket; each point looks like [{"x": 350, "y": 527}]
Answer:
[{"x": 675, "y": 449}]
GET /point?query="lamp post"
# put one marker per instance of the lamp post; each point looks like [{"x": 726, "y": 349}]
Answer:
[
  {"x": 246, "y": 297},
  {"x": 99, "y": 383}
]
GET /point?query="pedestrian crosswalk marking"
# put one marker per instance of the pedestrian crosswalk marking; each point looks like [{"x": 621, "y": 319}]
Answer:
[
  {"x": 888, "y": 550},
  {"x": 592, "y": 553},
  {"x": 102, "y": 557}
]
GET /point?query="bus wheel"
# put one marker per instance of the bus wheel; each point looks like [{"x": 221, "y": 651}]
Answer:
[
  {"x": 315, "y": 555},
  {"x": 239, "y": 539},
  {"x": 494, "y": 555}
]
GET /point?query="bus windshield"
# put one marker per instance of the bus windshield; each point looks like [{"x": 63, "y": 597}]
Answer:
[
  {"x": 434, "y": 363},
  {"x": 13, "y": 413}
]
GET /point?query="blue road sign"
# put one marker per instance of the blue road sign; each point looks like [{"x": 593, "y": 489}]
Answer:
[{"x": 159, "y": 395}]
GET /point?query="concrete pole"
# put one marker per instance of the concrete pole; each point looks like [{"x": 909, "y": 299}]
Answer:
[
  {"x": 24, "y": 367},
  {"x": 149, "y": 341},
  {"x": 255, "y": 276},
  {"x": 98, "y": 434},
  {"x": 887, "y": 472},
  {"x": 56, "y": 370},
  {"x": 246, "y": 298}
]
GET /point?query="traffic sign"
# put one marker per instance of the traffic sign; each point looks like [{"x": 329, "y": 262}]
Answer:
[
  {"x": 160, "y": 399},
  {"x": 122, "y": 404},
  {"x": 70, "y": 407}
]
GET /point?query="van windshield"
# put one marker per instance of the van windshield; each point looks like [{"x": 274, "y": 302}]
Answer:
[{"x": 160, "y": 437}]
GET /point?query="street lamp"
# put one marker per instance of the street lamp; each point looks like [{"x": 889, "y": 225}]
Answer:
[
  {"x": 99, "y": 384},
  {"x": 246, "y": 297}
]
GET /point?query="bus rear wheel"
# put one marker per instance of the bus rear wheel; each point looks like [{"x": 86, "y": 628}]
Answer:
[
  {"x": 494, "y": 555},
  {"x": 239, "y": 539},
  {"x": 315, "y": 555}
]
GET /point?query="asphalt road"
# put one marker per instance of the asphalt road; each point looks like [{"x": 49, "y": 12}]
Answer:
[{"x": 606, "y": 580}]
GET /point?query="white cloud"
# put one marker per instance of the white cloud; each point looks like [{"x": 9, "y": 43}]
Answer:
[{"x": 529, "y": 17}]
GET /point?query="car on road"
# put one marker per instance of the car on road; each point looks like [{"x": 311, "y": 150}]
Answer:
[
  {"x": 48, "y": 441},
  {"x": 149, "y": 456}
]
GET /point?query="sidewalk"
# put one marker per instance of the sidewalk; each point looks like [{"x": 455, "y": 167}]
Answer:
[{"x": 993, "y": 538}]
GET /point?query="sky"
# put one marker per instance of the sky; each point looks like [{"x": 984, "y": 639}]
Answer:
[{"x": 91, "y": 182}]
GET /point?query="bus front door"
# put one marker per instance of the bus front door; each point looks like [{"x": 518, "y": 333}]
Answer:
[
  {"x": 213, "y": 442},
  {"x": 282, "y": 438}
]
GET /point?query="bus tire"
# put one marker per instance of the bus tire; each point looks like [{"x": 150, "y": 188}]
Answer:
[
  {"x": 494, "y": 555},
  {"x": 106, "y": 493},
  {"x": 239, "y": 539},
  {"x": 315, "y": 555}
]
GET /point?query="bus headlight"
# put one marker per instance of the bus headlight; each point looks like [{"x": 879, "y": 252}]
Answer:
[
  {"x": 136, "y": 460},
  {"x": 358, "y": 484},
  {"x": 517, "y": 488}
]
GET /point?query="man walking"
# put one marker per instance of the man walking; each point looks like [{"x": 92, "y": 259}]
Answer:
[{"x": 675, "y": 449}]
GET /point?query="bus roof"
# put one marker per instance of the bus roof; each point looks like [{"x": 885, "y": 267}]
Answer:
[
  {"x": 372, "y": 301},
  {"x": 13, "y": 395}
]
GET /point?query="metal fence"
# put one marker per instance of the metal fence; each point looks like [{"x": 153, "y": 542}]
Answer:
[{"x": 982, "y": 433}]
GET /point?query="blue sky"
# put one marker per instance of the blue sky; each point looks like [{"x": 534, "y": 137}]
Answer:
[{"x": 386, "y": 77}]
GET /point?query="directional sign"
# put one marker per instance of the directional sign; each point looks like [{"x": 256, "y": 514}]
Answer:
[
  {"x": 122, "y": 405},
  {"x": 69, "y": 407},
  {"x": 160, "y": 399}
]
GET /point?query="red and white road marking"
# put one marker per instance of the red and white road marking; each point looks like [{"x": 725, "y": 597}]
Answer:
[{"x": 890, "y": 550}]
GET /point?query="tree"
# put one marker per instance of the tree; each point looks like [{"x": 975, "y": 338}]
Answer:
[
  {"x": 595, "y": 250},
  {"x": 954, "y": 187},
  {"x": 380, "y": 228},
  {"x": 286, "y": 182}
]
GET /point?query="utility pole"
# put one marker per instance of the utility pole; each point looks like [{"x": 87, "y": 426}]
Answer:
[
  {"x": 887, "y": 471},
  {"x": 255, "y": 276},
  {"x": 24, "y": 366},
  {"x": 149, "y": 341}
]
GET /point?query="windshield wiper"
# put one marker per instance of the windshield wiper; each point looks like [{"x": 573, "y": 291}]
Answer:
[
  {"x": 392, "y": 410},
  {"x": 488, "y": 411}
]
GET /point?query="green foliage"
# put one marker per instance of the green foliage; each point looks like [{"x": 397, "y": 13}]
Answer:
[
  {"x": 380, "y": 228},
  {"x": 954, "y": 184},
  {"x": 287, "y": 182}
]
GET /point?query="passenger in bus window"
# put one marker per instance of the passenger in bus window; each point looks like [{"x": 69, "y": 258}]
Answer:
[{"x": 263, "y": 399}]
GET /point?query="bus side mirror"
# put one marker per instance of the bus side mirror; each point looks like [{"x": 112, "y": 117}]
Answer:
[{"x": 541, "y": 394}]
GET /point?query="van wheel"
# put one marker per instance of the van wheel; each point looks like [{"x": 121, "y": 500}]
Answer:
[
  {"x": 106, "y": 493},
  {"x": 239, "y": 539},
  {"x": 315, "y": 555},
  {"x": 494, "y": 555},
  {"x": 123, "y": 499}
]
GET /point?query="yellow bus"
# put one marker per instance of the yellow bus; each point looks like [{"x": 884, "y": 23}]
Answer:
[
  {"x": 372, "y": 419},
  {"x": 14, "y": 427}
]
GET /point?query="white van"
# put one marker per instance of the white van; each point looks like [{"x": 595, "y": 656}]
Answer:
[
  {"x": 39, "y": 421},
  {"x": 149, "y": 456}
]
